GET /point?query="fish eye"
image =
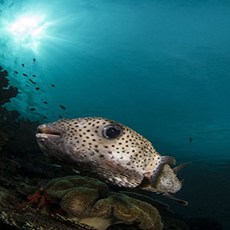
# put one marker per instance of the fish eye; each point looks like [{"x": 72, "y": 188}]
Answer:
[{"x": 111, "y": 131}]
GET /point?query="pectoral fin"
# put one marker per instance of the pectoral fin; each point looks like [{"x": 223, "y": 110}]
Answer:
[
  {"x": 179, "y": 167},
  {"x": 182, "y": 202}
]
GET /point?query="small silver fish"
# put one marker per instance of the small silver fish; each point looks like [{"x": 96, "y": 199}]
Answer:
[{"x": 112, "y": 151}]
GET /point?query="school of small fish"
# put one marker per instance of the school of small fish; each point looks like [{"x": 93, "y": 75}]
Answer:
[
  {"x": 112, "y": 151},
  {"x": 32, "y": 83}
]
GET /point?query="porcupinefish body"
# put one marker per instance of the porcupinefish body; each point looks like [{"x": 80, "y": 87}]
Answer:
[{"x": 111, "y": 150}]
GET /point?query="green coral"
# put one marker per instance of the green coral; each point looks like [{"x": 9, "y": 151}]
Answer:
[
  {"x": 60, "y": 186},
  {"x": 128, "y": 210},
  {"x": 89, "y": 201}
]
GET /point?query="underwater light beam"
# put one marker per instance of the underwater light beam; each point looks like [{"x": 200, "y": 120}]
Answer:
[
  {"x": 28, "y": 31},
  {"x": 36, "y": 30}
]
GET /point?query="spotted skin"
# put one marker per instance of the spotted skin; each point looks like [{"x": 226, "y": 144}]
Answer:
[{"x": 127, "y": 159}]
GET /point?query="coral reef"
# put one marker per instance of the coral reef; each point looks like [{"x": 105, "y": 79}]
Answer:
[
  {"x": 29, "y": 218},
  {"x": 160, "y": 206},
  {"x": 17, "y": 138},
  {"x": 15, "y": 213},
  {"x": 6, "y": 91},
  {"x": 88, "y": 200},
  {"x": 16, "y": 135},
  {"x": 169, "y": 219},
  {"x": 3, "y": 139}
]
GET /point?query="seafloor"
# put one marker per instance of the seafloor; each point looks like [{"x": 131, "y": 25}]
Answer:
[{"x": 25, "y": 172}]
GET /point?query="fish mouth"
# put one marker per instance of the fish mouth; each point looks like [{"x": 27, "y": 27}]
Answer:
[{"x": 47, "y": 131}]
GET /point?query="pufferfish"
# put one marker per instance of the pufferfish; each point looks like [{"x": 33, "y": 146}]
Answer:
[{"x": 112, "y": 151}]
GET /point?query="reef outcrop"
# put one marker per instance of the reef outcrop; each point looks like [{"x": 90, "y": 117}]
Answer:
[
  {"x": 89, "y": 201},
  {"x": 6, "y": 91},
  {"x": 3, "y": 139}
]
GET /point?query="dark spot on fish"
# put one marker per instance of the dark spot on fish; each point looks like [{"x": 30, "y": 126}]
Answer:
[
  {"x": 24, "y": 74},
  {"x": 16, "y": 72},
  {"x": 62, "y": 107},
  {"x": 33, "y": 82},
  {"x": 37, "y": 88},
  {"x": 53, "y": 85},
  {"x": 34, "y": 59},
  {"x": 34, "y": 75},
  {"x": 32, "y": 109},
  {"x": 45, "y": 102},
  {"x": 23, "y": 65}
]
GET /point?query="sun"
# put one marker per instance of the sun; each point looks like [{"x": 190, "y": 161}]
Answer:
[{"x": 28, "y": 30}]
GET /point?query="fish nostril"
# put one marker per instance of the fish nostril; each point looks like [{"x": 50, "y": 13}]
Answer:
[{"x": 41, "y": 129}]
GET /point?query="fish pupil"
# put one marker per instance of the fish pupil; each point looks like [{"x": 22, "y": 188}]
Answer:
[{"x": 112, "y": 131}]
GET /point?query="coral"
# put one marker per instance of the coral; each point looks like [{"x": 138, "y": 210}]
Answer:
[
  {"x": 38, "y": 198},
  {"x": 12, "y": 217},
  {"x": 6, "y": 91},
  {"x": 142, "y": 195},
  {"x": 90, "y": 202},
  {"x": 25, "y": 143},
  {"x": 168, "y": 217},
  {"x": 60, "y": 186},
  {"x": 3, "y": 139}
]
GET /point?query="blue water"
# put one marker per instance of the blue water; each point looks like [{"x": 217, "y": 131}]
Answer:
[{"x": 160, "y": 67}]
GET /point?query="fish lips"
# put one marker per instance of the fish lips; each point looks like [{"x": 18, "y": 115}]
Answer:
[
  {"x": 51, "y": 142},
  {"x": 45, "y": 134},
  {"x": 47, "y": 130},
  {"x": 49, "y": 139}
]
